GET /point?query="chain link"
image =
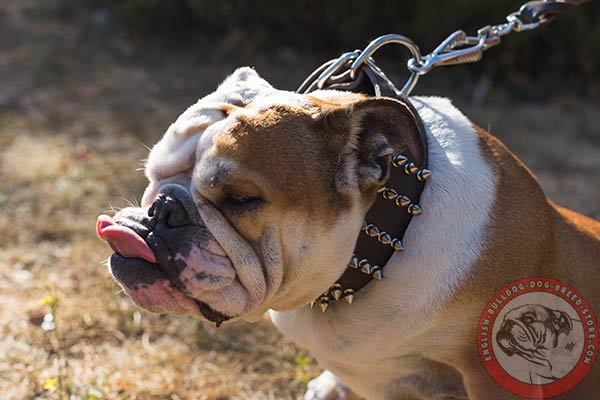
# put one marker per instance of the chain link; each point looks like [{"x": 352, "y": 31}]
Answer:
[{"x": 457, "y": 48}]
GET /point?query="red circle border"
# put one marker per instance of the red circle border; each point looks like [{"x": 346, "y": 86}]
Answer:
[{"x": 493, "y": 367}]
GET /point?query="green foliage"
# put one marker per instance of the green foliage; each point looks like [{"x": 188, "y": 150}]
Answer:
[{"x": 569, "y": 45}]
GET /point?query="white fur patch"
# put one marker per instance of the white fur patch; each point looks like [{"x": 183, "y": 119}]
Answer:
[
  {"x": 443, "y": 242},
  {"x": 175, "y": 152}
]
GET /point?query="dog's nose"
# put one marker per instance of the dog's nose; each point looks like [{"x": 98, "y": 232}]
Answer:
[{"x": 169, "y": 211}]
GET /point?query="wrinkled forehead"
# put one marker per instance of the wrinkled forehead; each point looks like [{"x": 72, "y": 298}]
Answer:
[
  {"x": 265, "y": 114},
  {"x": 196, "y": 129}
]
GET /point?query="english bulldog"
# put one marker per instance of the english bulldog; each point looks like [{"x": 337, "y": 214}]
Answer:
[
  {"x": 256, "y": 198},
  {"x": 541, "y": 336}
]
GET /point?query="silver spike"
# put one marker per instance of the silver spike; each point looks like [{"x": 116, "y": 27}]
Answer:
[
  {"x": 337, "y": 294},
  {"x": 397, "y": 244},
  {"x": 389, "y": 194},
  {"x": 415, "y": 209},
  {"x": 336, "y": 291},
  {"x": 377, "y": 273},
  {"x": 399, "y": 160},
  {"x": 312, "y": 304},
  {"x": 324, "y": 303},
  {"x": 349, "y": 295},
  {"x": 372, "y": 230},
  {"x": 423, "y": 174},
  {"x": 402, "y": 201},
  {"x": 365, "y": 267},
  {"x": 353, "y": 262},
  {"x": 384, "y": 238},
  {"x": 410, "y": 168}
]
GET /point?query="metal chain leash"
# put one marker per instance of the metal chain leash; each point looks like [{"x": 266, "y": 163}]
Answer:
[{"x": 457, "y": 48}]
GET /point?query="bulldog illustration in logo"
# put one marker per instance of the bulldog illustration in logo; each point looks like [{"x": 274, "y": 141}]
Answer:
[{"x": 542, "y": 336}]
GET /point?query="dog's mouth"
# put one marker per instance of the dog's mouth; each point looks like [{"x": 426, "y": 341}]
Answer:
[
  {"x": 157, "y": 279},
  {"x": 124, "y": 240}
]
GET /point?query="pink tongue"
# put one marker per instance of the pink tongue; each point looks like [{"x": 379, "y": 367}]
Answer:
[{"x": 123, "y": 240}]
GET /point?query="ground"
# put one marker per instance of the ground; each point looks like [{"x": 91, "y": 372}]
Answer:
[{"x": 79, "y": 106}]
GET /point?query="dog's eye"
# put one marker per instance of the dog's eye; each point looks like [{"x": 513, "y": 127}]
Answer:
[
  {"x": 241, "y": 202},
  {"x": 238, "y": 199}
]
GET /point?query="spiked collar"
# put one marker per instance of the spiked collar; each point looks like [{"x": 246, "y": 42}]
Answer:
[{"x": 397, "y": 202}]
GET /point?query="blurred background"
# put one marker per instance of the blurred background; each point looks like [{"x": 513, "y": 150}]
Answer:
[{"x": 87, "y": 86}]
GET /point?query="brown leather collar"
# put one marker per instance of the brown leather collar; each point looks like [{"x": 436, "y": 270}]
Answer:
[{"x": 396, "y": 204}]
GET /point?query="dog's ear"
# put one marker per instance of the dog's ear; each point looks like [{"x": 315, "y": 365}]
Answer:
[
  {"x": 369, "y": 132},
  {"x": 562, "y": 322},
  {"x": 245, "y": 77}
]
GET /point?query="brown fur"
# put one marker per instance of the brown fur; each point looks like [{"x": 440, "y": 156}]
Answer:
[
  {"x": 295, "y": 161},
  {"x": 528, "y": 237}
]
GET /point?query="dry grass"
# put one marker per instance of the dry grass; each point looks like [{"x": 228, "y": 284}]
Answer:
[
  {"x": 75, "y": 116},
  {"x": 102, "y": 345}
]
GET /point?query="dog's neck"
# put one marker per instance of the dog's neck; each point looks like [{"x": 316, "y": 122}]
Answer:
[
  {"x": 448, "y": 237},
  {"x": 440, "y": 245}
]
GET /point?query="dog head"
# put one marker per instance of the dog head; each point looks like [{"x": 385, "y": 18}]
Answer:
[
  {"x": 255, "y": 199},
  {"x": 532, "y": 330}
]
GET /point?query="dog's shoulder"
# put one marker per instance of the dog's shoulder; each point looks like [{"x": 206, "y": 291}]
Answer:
[{"x": 586, "y": 226}]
